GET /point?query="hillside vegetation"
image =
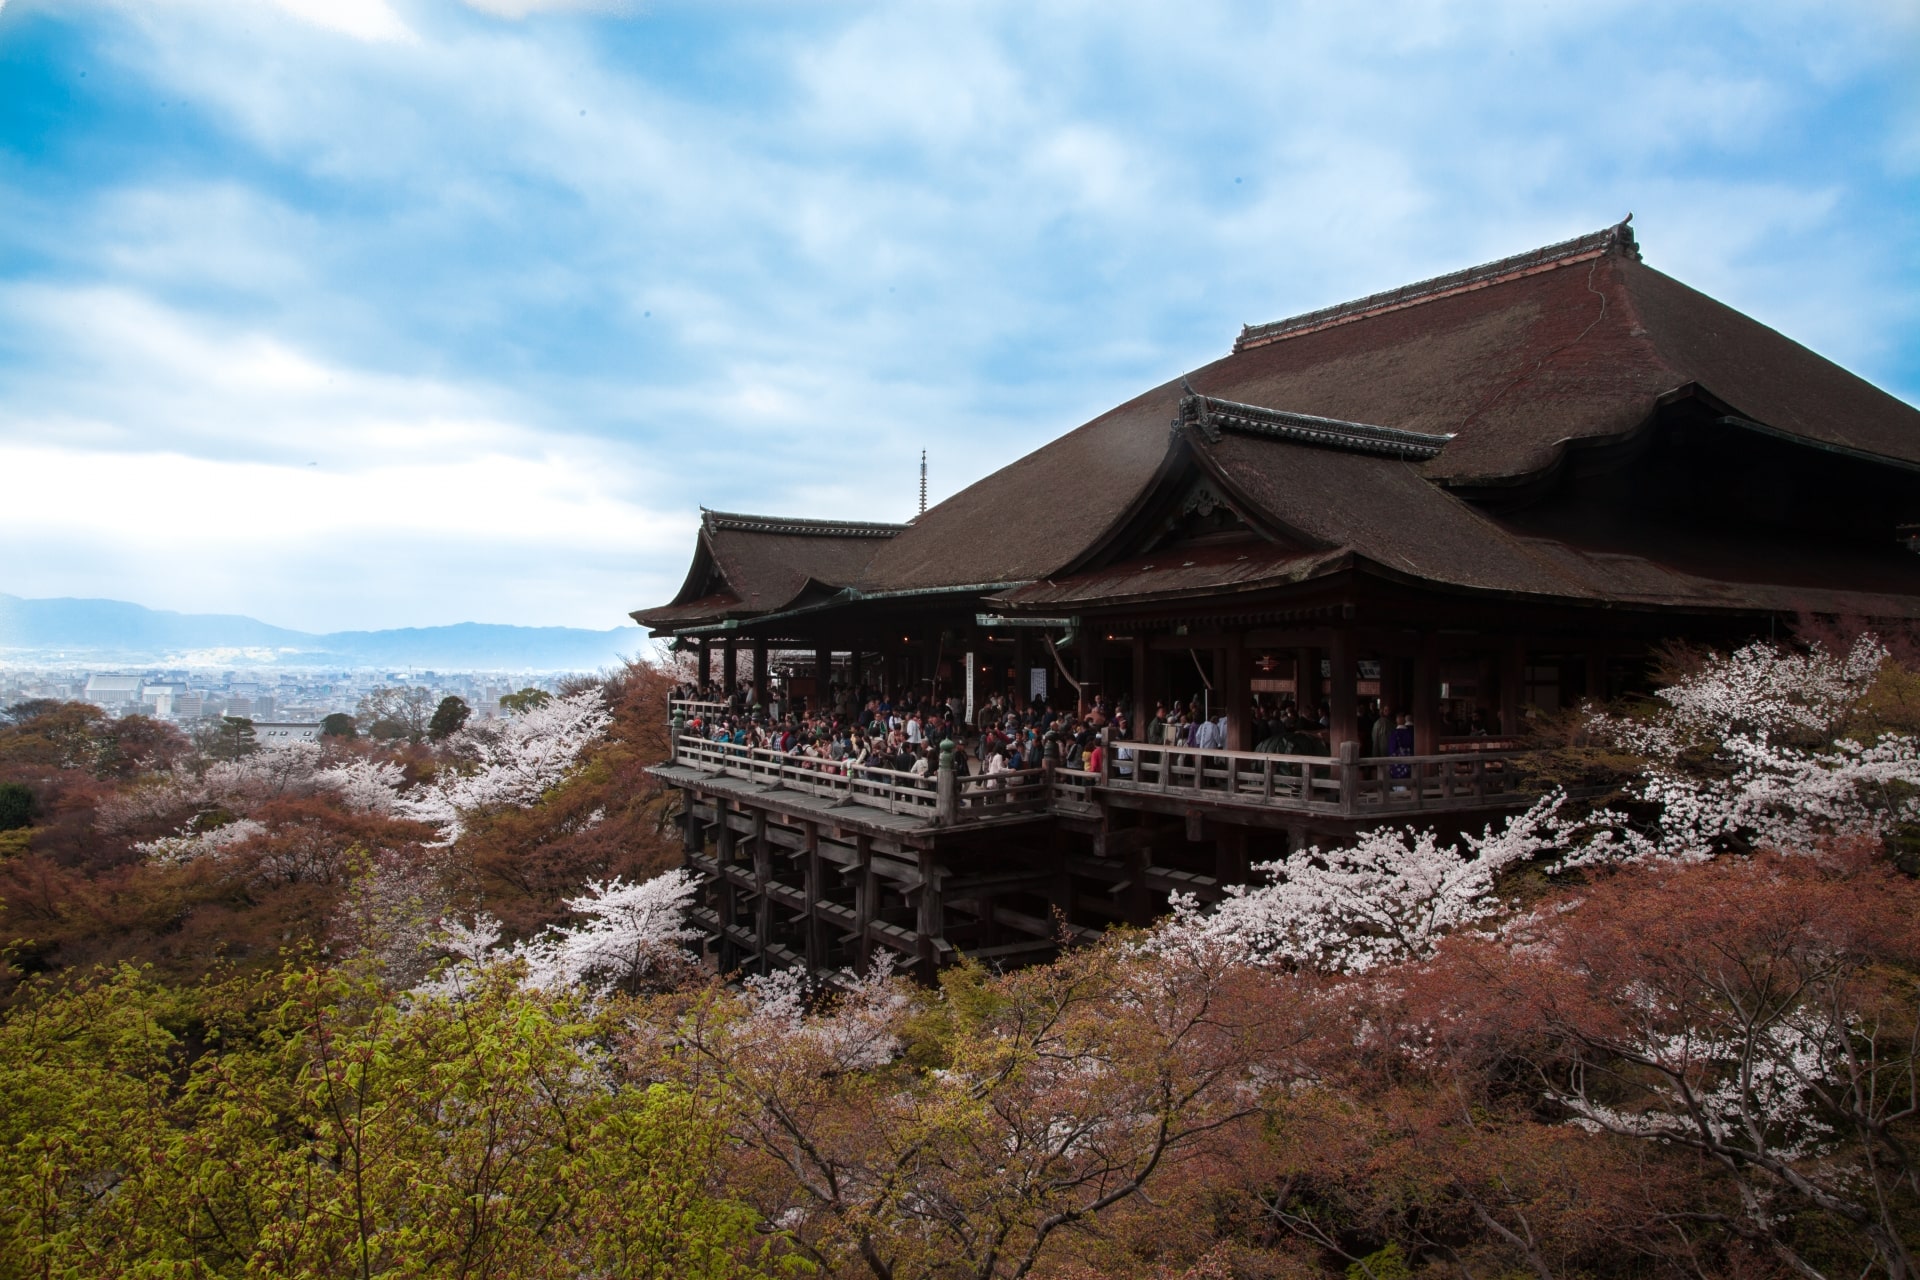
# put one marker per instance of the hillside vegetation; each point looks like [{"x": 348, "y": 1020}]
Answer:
[{"x": 426, "y": 1009}]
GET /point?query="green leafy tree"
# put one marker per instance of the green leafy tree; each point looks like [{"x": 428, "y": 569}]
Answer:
[
  {"x": 341, "y": 1133},
  {"x": 526, "y": 700},
  {"x": 338, "y": 725},
  {"x": 232, "y": 738},
  {"x": 31, "y": 708},
  {"x": 448, "y": 718},
  {"x": 16, "y": 806}
]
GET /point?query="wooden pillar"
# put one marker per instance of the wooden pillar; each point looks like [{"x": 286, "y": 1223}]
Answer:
[
  {"x": 866, "y": 892},
  {"x": 1022, "y": 667},
  {"x": 1140, "y": 697},
  {"x": 1596, "y": 676},
  {"x": 1513, "y": 665},
  {"x": 1343, "y": 714},
  {"x": 729, "y": 666},
  {"x": 763, "y": 901},
  {"x": 724, "y": 838},
  {"x": 1134, "y": 900},
  {"x": 1425, "y": 703},
  {"x": 760, "y": 670},
  {"x": 1306, "y": 680},
  {"x": 930, "y": 918},
  {"x": 1091, "y": 646},
  {"x": 1230, "y": 855},
  {"x": 1234, "y": 695},
  {"x": 706, "y": 666},
  {"x": 822, "y": 681},
  {"x": 816, "y": 943}
]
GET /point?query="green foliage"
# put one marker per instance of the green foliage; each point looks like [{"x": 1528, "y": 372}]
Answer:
[
  {"x": 448, "y": 718},
  {"x": 339, "y": 1132},
  {"x": 233, "y": 739},
  {"x": 525, "y": 700},
  {"x": 16, "y": 806},
  {"x": 1386, "y": 1264},
  {"x": 30, "y": 709},
  {"x": 338, "y": 725}
]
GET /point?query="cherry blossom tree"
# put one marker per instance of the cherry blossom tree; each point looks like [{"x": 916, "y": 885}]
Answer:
[
  {"x": 508, "y": 763},
  {"x": 1764, "y": 747},
  {"x": 631, "y": 932},
  {"x": 1761, "y": 1012},
  {"x": 1389, "y": 897}
]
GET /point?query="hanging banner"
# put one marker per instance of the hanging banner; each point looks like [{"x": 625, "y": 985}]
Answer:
[
  {"x": 970, "y": 666},
  {"x": 1037, "y": 684}
]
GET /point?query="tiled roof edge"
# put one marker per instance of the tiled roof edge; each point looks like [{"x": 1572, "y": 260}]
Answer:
[
  {"x": 1213, "y": 416},
  {"x": 1615, "y": 239},
  {"x": 736, "y": 522}
]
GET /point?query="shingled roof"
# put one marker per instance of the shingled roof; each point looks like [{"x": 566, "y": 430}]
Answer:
[
  {"x": 1358, "y": 424},
  {"x": 745, "y": 565}
]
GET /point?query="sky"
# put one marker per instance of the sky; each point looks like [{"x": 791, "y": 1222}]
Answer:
[{"x": 372, "y": 313}]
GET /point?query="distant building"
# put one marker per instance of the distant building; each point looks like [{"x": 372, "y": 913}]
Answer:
[
  {"x": 161, "y": 699},
  {"x": 113, "y": 691},
  {"x": 284, "y": 733}
]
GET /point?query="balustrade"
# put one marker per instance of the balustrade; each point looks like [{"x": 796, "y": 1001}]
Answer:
[{"x": 1347, "y": 785}]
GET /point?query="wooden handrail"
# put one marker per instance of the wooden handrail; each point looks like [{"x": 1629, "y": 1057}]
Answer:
[{"x": 1353, "y": 785}]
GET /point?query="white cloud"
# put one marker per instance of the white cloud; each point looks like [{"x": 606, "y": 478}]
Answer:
[
  {"x": 758, "y": 256},
  {"x": 517, "y": 9},
  {"x": 370, "y": 20}
]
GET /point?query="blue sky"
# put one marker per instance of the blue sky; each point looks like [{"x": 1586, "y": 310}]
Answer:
[{"x": 362, "y": 313}]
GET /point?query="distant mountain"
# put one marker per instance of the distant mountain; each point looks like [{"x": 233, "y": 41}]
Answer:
[{"x": 65, "y": 631}]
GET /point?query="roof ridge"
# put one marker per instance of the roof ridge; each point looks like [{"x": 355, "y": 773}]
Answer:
[
  {"x": 741, "y": 522},
  {"x": 1212, "y": 415},
  {"x": 1615, "y": 239}
]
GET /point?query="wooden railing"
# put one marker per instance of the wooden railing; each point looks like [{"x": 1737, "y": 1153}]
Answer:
[
  {"x": 1072, "y": 788},
  {"x": 685, "y": 709},
  {"x": 945, "y": 797},
  {"x": 1348, "y": 784}
]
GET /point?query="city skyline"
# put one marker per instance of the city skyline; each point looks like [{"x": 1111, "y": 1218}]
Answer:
[{"x": 372, "y": 313}]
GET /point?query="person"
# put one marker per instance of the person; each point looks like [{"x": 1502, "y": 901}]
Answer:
[
  {"x": 1383, "y": 725},
  {"x": 1401, "y": 744},
  {"x": 1096, "y": 756}
]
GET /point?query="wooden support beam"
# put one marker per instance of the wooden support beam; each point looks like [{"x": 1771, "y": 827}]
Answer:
[
  {"x": 706, "y": 664},
  {"x": 1426, "y": 699},
  {"x": 929, "y": 917},
  {"x": 1140, "y": 696},
  {"x": 866, "y": 892},
  {"x": 1513, "y": 672},
  {"x": 763, "y": 902},
  {"x": 1343, "y": 715},
  {"x": 1235, "y": 694},
  {"x": 729, "y": 665},
  {"x": 1230, "y": 855},
  {"x": 816, "y": 943}
]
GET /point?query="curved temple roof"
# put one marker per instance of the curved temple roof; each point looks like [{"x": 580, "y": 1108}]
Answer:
[
  {"x": 1352, "y": 424},
  {"x": 746, "y": 565}
]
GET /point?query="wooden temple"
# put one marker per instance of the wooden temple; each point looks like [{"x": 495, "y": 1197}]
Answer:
[{"x": 1478, "y": 499}]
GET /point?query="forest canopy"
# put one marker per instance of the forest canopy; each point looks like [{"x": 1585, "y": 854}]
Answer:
[{"x": 423, "y": 1003}]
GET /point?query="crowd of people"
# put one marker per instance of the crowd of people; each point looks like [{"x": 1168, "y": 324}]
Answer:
[
  {"x": 860, "y": 728},
  {"x": 853, "y": 728}
]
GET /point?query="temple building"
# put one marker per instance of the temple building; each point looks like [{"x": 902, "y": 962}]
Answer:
[{"x": 1475, "y": 500}]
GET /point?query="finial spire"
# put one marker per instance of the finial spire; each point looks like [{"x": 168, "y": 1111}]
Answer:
[{"x": 923, "y": 482}]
